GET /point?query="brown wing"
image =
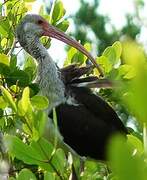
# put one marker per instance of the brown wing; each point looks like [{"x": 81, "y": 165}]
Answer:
[{"x": 72, "y": 75}]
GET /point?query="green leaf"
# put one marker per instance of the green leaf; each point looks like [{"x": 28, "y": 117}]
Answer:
[
  {"x": 87, "y": 46},
  {"x": 78, "y": 58},
  {"x": 13, "y": 61},
  {"x": 1, "y": 112},
  {"x": 4, "y": 26},
  {"x": 59, "y": 160},
  {"x": 20, "y": 77},
  {"x": 4, "y": 59},
  {"x": 7, "y": 96},
  {"x": 34, "y": 89},
  {"x": 92, "y": 170},
  {"x": 38, "y": 153},
  {"x": 4, "y": 42},
  {"x": 30, "y": 67},
  {"x": 2, "y": 122},
  {"x": 4, "y": 69},
  {"x": 3, "y": 103},
  {"x": 118, "y": 49},
  {"x": 63, "y": 26},
  {"x": 58, "y": 11},
  {"x": 4, "y": 64},
  {"x": 40, "y": 124},
  {"x": 46, "y": 42},
  {"x": 12, "y": 178},
  {"x": 105, "y": 64},
  {"x": 123, "y": 163},
  {"x": 74, "y": 56},
  {"x": 127, "y": 71},
  {"x": 49, "y": 176},
  {"x": 110, "y": 53},
  {"x": 26, "y": 174},
  {"x": 43, "y": 147},
  {"x": 21, "y": 150},
  {"x": 24, "y": 103},
  {"x": 45, "y": 150},
  {"x": 29, "y": 1},
  {"x": 72, "y": 51},
  {"x": 39, "y": 102},
  {"x": 136, "y": 89},
  {"x": 15, "y": 88},
  {"x": 136, "y": 144}
]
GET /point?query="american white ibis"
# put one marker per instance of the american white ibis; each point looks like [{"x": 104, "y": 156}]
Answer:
[{"x": 85, "y": 120}]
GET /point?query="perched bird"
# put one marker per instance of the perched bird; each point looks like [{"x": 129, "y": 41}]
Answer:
[{"x": 84, "y": 119}]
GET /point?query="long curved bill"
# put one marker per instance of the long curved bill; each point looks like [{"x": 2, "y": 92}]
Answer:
[{"x": 53, "y": 32}]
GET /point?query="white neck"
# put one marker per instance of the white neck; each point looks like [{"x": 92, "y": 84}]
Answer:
[{"x": 48, "y": 78}]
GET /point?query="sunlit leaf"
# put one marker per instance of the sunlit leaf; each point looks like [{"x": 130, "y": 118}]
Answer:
[
  {"x": 4, "y": 59},
  {"x": 26, "y": 174},
  {"x": 118, "y": 49},
  {"x": 49, "y": 176},
  {"x": 8, "y": 97},
  {"x": 15, "y": 88},
  {"x": 39, "y": 102},
  {"x": 4, "y": 26},
  {"x": 40, "y": 123},
  {"x": 136, "y": 144},
  {"x": 127, "y": 71},
  {"x": 24, "y": 103},
  {"x": 136, "y": 89},
  {"x": 46, "y": 42},
  {"x": 38, "y": 153},
  {"x": 59, "y": 160},
  {"x": 43, "y": 147},
  {"x": 29, "y": 1},
  {"x": 4, "y": 42},
  {"x": 58, "y": 11},
  {"x": 123, "y": 163},
  {"x": 13, "y": 61},
  {"x": 78, "y": 58},
  {"x": 87, "y": 46},
  {"x": 21, "y": 150},
  {"x": 105, "y": 63},
  {"x": 72, "y": 51},
  {"x": 63, "y": 26},
  {"x": 110, "y": 53},
  {"x": 3, "y": 103}
]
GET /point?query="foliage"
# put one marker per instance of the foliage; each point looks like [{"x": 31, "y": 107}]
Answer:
[
  {"x": 88, "y": 20},
  {"x": 28, "y": 153},
  {"x": 93, "y": 27}
]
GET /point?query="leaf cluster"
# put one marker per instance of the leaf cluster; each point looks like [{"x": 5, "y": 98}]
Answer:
[{"x": 23, "y": 120}]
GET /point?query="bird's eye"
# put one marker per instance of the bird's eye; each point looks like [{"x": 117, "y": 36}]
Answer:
[{"x": 40, "y": 21}]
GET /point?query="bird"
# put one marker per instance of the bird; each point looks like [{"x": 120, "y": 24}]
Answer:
[{"x": 85, "y": 121}]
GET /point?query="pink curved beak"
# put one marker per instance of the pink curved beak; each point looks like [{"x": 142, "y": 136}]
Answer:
[{"x": 53, "y": 32}]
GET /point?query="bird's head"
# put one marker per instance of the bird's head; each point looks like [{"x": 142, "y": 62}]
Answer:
[
  {"x": 34, "y": 26},
  {"x": 31, "y": 26}
]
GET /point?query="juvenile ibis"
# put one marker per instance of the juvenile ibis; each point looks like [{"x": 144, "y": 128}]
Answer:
[{"x": 84, "y": 119}]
